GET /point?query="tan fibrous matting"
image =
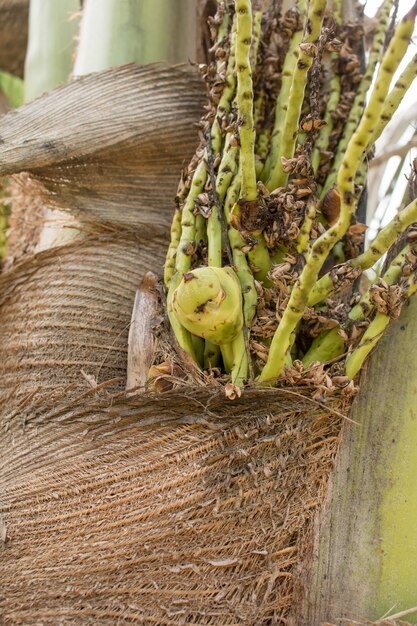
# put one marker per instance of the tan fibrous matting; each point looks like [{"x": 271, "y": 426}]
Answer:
[{"x": 197, "y": 518}]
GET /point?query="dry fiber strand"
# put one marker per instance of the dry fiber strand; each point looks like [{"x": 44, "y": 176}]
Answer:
[
  {"x": 109, "y": 146},
  {"x": 108, "y": 520}
]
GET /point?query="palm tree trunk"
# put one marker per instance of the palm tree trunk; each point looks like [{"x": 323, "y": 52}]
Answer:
[{"x": 366, "y": 553}]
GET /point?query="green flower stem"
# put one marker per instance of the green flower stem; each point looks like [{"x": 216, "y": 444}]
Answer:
[
  {"x": 240, "y": 366},
  {"x": 382, "y": 242},
  {"x": 278, "y": 177},
  {"x": 359, "y": 101},
  {"x": 183, "y": 255},
  {"x": 303, "y": 239},
  {"x": 227, "y": 355},
  {"x": 369, "y": 340},
  {"x": 200, "y": 229},
  {"x": 288, "y": 70},
  {"x": 371, "y": 337},
  {"x": 169, "y": 267},
  {"x": 250, "y": 297},
  {"x": 345, "y": 181},
  {"x": 256, "y": 37},
  {"x": 260, "y": 259},
  {"x": 245, "y": 100},
  {"x": 387, "y": 236},
  {"x": 293, "y": 313},
  {"x": 396, "y": 95},
  {"x": 329, "y": 345},
  {"x": 223, "y": 107},
  {"x": 325, "y": 132},
  {"x": 211, "y": 356},
  {"x": 216, "y": 137},
  {"x": 259, "y": 256}
]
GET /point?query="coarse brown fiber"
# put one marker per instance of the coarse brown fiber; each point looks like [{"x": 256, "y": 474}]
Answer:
[
  {"x": 197, "y": 518},
  {"x": 109, "y": 146}
]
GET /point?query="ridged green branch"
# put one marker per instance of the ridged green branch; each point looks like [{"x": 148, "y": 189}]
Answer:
[
  {"x": 169, "y": 267},
  {"x": 223, "y": 107},
  {"x": 307, "y": 51},
  {"x": 282, "y": 105},
  {"x": 359, "y": 101},
  {"x": 323, "y": 139},
  {"x": 184, "y": 253},
  {"x": 345, "y": 181},
  {"x": 303, "y": 239},
  {"x": 371, "y": 336},
  {"x": 382, "y": 242},
  {"x": 329, "y": 344},
  {"x": 396, "y": 96},
  {"x": 244, "y": 274},
  {"x": 244, "y": 100}
]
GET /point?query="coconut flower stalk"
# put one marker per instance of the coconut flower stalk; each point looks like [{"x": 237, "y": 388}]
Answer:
[{"x": 287, "y": 117}]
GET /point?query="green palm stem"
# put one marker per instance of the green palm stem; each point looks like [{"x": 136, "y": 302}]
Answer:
[
  {"x": 372, "y": 335},
  {"x": 392, "y": 103},
  {"x": 200, "y": 229},
  {"x": 307, "y": 50},
  {"x": 337, "y": 11},
  {"x": 250, "y": 297},
  {"x": 228, "y": 93},
  {"x": 281, "y": 106},
  {"x": 184, "y": 252},
  {"x": 216, "y": 138},
  {"x": 256, "y": 37},
  {"x": 169, "y": 267},
  {"x": 345, "y": 181},
  {"x": 396, "y": 96},
  {"x": 382, "y": 242},
  {"x": 323, "y": 139},
  {"x": 329, "y": 344},
  {"x": 360, "y": 98},
  {"x": 244, "y": 98},
  {"x": 303, "y": 239},
  {"x": 259, "y": 256}
]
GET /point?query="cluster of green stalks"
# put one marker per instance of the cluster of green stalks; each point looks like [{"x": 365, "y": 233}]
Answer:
[{"x": 264, "y": 267}]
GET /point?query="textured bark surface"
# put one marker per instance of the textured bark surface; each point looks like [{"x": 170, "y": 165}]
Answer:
[
  {"x": 366, "y": 548},
  {"x": 109, "y": 147}
]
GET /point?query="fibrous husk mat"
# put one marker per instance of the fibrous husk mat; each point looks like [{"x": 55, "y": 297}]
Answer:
[
  {"x": 173, "y": 508},
  {"x": 178, "y": 508}
]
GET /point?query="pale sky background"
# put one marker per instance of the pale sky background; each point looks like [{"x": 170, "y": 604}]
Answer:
[{"x": 387, "y": 208}]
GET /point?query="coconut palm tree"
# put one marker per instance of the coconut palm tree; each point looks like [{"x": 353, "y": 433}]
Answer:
[{"x": 195, "y": 502}]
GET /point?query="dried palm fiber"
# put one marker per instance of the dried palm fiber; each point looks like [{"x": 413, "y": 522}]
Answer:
[
  {"x": 115, "y": 162},
  {"x": 27, "y": 217},
  {"x": 67, "y": 310},
  {"x": 133, "y": 509},
  {"x": 14, "y": 31}
]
